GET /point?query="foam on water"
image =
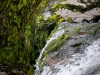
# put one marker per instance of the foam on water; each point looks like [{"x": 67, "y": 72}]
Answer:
[{"x": 86, "y": 64}]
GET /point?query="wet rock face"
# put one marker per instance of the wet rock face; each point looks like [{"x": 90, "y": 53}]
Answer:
[
  {"x": 83, "y": 3},
  {"x": 78, "y": 16},
  {"x": 74, "y": 45},
  {"x": 89, "y": 2}
]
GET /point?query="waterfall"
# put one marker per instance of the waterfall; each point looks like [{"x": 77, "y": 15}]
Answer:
[
  {"x": 54, "y": 36},
  {"x": 87, "y": 63}
]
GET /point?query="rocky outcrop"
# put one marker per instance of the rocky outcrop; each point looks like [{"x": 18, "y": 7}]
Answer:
[
  {"x": 73, "y": 2},
  {"x": 78, "y": 16},
  {"x": 80, "y": 36},
  {"x": 84, "y": 3}
]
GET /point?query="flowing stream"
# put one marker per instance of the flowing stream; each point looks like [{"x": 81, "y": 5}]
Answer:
[
  {"x": 85, "y": 63},
  {"x": 88, "y": 63}
]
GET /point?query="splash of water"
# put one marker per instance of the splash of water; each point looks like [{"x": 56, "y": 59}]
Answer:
[{"x": 88, "y": 63}]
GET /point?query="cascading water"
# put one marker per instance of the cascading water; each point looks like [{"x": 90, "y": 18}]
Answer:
[
  {"x": 54, "y": 36},
  {"x": 87, "y": 63}
]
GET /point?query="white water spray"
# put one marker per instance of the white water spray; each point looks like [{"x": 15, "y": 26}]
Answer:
[{"x": 87, "y": 63}]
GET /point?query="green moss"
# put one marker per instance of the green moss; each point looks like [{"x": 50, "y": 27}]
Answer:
[
  {"x": 74, "y": 8},
  {"x": 22, "y": 33},
  {"x": 69, "y": 19},
  {"x": 77, "y": 29},
  {"x": 53, "y": 17},
  {"x": 52, "y": 46},
  {"x": 31, "y": 70},
  {"x": 60, "y": 20},
  {"x": 39, "y": 19},
  {"x": 58, "y": 6},
  {"x": 17, "y": 28}
]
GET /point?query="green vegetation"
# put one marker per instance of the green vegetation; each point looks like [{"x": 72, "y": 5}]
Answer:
[
  {"x": 23, "y": 31},
  {"x": 69, "y": 19},
  {"x": 74, "y": 8},
  {"x": 77, "y": 29},
  {"x": 53, "y": 46},
  {"x": 20, "y": 36}
]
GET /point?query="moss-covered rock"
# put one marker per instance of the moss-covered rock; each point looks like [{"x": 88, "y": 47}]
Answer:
[{"x": 70, "y": 32}]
